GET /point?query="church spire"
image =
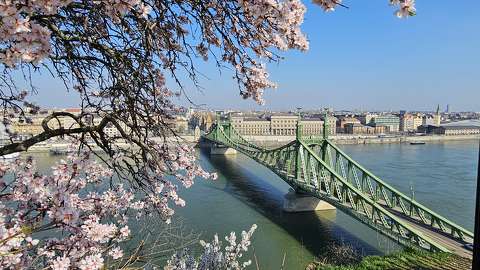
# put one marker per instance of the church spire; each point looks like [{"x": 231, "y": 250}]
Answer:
[{"x": 437, "y": 117}]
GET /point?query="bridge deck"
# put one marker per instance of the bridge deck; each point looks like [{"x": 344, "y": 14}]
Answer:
[{"x": 460, "y": 248}]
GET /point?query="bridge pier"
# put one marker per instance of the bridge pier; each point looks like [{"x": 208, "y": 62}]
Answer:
[
  {"x": 297, "y": 202},
  {"x": 222, "y": 150}
]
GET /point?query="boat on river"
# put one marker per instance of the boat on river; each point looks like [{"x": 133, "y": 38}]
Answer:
[{"x": 417, "y": 143}]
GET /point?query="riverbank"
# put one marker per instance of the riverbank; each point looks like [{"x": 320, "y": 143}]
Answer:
[
  {"x": 404, "y": 139},
  {"x": 62, "y": 147},
  {"x": 274, "y": 141},
  {"x": 408, "y": 259}
]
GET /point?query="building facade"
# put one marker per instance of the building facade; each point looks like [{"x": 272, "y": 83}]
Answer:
[
  {"x": 250, "y": 125},
  {"x": 391, "y": 122},
  {"x": 366, "y": 118},
  {"x": 283, "y": 124},
  {"x": 457, "y": 130},
  {"x": 437, "y": 118},
  {"x": 279, "y": 125},
  {"x": 410, "y": 122},
  {"x": 352, "y": 128},
  {"x": 344, "y": 121},
  {"x": 312, "y": 126}
]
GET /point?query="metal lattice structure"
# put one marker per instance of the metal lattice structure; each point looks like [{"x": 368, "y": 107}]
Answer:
[{"x": 318, "y": 167}]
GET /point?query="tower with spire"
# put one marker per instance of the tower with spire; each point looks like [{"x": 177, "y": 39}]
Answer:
[{"x": 437, "y": 117}]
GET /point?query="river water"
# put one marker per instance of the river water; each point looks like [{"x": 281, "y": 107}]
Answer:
[{"x": 442, "y": 176}]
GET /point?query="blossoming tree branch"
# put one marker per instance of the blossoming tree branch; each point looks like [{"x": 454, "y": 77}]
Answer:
[{"x": 118, "y": 55}]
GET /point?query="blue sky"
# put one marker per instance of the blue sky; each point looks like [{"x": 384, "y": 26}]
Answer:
[{"x": 362, "y": 57}]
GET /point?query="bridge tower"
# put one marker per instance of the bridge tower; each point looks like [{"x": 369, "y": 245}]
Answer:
[
  {"x": 216, "y": 149},
  {"x": 295, "y": 201},
  {"x": 298, "y": 159},
  {"x": 326, "y": 126},
  {"x": 326, "y": 132}
]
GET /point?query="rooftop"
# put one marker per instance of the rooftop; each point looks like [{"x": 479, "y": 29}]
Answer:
[
  {"x": 472, "y": 122},
  {"x": 312, "y": 119},
  {"x": 460, "y": 127}
]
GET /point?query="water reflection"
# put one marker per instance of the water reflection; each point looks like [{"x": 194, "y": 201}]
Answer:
[{"x": 253, "y": 186}]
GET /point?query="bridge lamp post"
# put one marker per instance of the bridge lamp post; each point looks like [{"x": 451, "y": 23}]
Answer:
[{"x": 476, "y": 236}]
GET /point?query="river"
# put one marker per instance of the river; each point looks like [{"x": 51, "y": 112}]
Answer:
[{"x": 441, "y": 174}]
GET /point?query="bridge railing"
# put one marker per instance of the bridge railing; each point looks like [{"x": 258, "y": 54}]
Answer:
[
  {"x": 391, "y": 198},
  {"x": 320, "y": 178}
]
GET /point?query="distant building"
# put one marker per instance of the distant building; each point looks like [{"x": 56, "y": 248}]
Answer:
[
  {"x": 28, "y": 128},
  {"x": 355, "y": 128},
  {"x": 204, "y": 120},
  {"x": 332, "y": 123},
  {"x": 466, "y": 127},
  {"x": 457, "y": 130},
  {"x": 278, "y": 125},
  {"x": 427, "y": 120},
  {"x": 312, "y": 126},
  {"x": 410, "y": 122},
  {"x": 250, "y": 125},
  {"x": 283, "y": 124},
  {"x": 437, "y": 118},
  {"x": 391, "y": 122},
  {"x": 180, "y": 124},
  {"x": 341, "y": 122},
  {"x": 366, "y": 119}
]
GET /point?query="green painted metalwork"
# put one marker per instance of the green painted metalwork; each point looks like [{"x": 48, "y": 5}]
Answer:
[
  {"x": 326, "y": 126},
  {"x": 319, "y": 168}
]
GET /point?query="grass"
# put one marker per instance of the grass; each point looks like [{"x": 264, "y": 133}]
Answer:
[{"x": 409, "y": 259}]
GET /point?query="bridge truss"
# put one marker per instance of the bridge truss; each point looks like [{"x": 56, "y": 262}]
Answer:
[{"x": 317, "y": 167}]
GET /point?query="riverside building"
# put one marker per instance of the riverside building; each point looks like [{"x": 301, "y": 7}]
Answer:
[
  {"x": 390, "y": 122},
  {"x": 281, "y": 124},
  {"x": 410, "y": 122}
]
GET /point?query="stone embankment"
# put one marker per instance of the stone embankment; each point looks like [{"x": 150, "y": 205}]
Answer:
[
  {"x": 273, "y": 141},
  {"x": 61, "y": 147}
]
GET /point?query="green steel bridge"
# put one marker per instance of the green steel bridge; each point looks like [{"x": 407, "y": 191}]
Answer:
[{"x": 319, "y": 168}]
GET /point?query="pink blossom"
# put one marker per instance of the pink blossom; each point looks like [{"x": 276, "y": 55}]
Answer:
[
  {"x": 92, "y": 262},
  {"x": 116, "y": 253},
  {"x": 61, "y": 263},
  {"x": 125, "y": 232}
]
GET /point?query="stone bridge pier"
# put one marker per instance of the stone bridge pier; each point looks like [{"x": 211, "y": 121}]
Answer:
[{"x": 299, "y": 202}]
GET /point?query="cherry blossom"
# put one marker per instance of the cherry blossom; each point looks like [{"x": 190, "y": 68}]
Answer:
[
  {"x": 328, "y": 5},
  {"x": 406, "y": 8},
  {"x": 60, "y": 263},
  {"x": 213, "y": 256},
  {"x": 73, "y": 200},
  {"x": 116, "y": 253},
  {"x": 118, "y": 55}
]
